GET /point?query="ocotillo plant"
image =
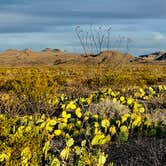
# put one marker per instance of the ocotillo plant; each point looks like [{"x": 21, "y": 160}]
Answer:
[
  {"x": 93, "y": 40},
  {"x": 128, "y": 42}
]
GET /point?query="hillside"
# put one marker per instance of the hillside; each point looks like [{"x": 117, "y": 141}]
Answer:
[
  {"x": 51, "y": 57},
  {"x": 152, "y": 57}
]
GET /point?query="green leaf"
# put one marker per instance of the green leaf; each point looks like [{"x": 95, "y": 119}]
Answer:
[
  {"x": 78, "y": 123},
  {"x": 46, "y": 148},
  {"x": 39, "y": 121},
  {"x": 78, "y": 150},
  {"x": 53, "y": 122},
  {"x": 125, "y": 117},
  {"x": 98, "y": 139},
  {"x": 118, "y": 123},
  {"x": 83, "y": 143},
  {"x": 64, "y": 114},
  {"x": 48, "y": 128},
  {"x": 104, "y": 139},
  {"x": 64, "y": 153},
  {"x": 95, "y": 140},
  {"x": 3, "y": 156},
  {"x": 55, "y": 162},
  {"x": 70, "y": 142},
  {"x": 123, "y": 129},
  {"x": 124, "y": 133},
  {"x": 142, "y": 92},
  {"x": 102, "y": 159}
]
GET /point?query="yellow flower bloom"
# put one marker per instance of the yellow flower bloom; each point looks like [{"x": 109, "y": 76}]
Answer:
[
  {"x": 57, "y": 132},
  {"x": 113, "y": 130}
]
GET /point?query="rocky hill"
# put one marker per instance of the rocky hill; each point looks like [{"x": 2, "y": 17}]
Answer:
[
  {"x": 152, "y": 57},
  {"x": 49, "y": 56}
]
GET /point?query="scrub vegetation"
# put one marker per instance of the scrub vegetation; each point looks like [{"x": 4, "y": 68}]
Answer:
[{"x": 83, "y": 115}]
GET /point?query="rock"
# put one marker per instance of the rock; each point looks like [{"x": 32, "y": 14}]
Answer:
[
  {"x": 27, "y": 51},
  {"x": 156, "y": 56}
]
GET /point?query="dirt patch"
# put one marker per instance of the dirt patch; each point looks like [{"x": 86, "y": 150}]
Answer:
[{"x": 138, "y": 152}]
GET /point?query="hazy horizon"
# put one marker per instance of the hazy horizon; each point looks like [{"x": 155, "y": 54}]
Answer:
[{"x": 50, "y": 24}]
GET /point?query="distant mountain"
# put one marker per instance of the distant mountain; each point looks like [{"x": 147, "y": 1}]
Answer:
[{"x": 156, "y": 56}]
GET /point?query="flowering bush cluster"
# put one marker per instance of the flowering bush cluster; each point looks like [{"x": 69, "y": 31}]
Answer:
[{"x": 76, "y": 130}]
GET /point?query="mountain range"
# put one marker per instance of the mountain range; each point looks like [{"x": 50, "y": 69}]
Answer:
[{"x": 47, "y": 56}]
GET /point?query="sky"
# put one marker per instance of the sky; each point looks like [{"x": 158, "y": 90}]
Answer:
[{"x": 137, "y": 26}]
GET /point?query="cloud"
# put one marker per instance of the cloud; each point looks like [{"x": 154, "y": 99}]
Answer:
[
  {"x": 12, "y": 23},
  {"x": 49, "y": 23},
  {"x": 159, "y": 36},
  {"x": 40, "y": 15},
  {"x": 35, "y": 41},
  {"x": 89, "y": 8}
]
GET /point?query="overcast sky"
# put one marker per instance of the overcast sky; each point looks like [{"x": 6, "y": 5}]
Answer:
[{"x": 37, "y": 24}]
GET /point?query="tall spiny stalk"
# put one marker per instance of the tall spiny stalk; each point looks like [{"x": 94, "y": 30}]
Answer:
[{"x": 94, "y": 40}]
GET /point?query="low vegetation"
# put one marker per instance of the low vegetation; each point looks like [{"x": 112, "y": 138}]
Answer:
[{"x": 83, "y": 115}]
